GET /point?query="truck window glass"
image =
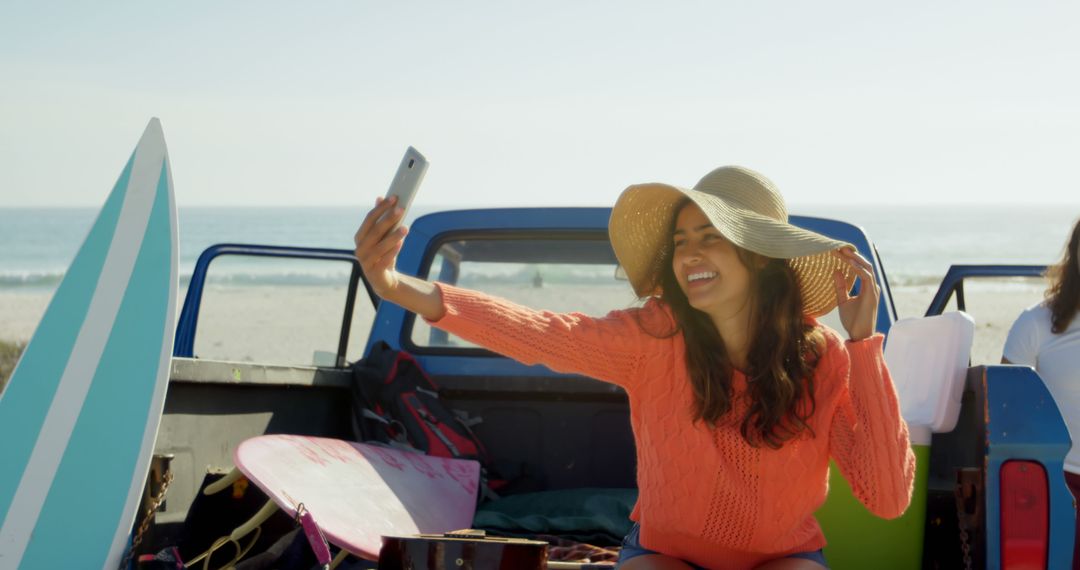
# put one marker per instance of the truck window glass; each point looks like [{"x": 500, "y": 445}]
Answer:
[
  {"x": 278, "y": 311},
  {"x": 994, "y": 303}
]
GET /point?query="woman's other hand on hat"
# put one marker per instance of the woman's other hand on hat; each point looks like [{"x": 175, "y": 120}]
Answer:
[{"x": 858, "y": 313}]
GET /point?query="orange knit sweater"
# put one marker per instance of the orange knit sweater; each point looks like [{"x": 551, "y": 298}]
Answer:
[{"x": 706, "y": 495}]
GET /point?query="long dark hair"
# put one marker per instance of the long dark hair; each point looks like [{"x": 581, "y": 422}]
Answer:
[
  {"x": 784, "y": 349},
  {"x": 1063, "y": 294}
]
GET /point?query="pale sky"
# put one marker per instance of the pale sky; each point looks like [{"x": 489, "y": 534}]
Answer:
[{"x": 543, "y": 103}]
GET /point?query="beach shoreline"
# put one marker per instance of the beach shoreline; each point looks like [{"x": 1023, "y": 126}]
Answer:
[{"x": 287, "y": 325}]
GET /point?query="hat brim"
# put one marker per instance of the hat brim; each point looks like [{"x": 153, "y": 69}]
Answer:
[{"x": 640, "y": 233}]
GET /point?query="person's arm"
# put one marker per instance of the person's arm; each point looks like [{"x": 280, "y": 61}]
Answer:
[
  {"x": 609, "y": 348},
  {"x": 869, "y": 438},
  {"x": 377, "y": 245}
]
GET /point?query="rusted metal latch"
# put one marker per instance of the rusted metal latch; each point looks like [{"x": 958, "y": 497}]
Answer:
[{"x": 969, "y": 508}]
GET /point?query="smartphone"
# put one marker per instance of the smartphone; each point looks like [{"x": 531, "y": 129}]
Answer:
[{"x": 407, "y": 180}]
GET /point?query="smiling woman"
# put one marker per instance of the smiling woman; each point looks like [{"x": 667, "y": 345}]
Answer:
[
  {"x": 711, "y": 271},
  {"x": 738, "y": 395},
  {"x": 728, "y": 296}
]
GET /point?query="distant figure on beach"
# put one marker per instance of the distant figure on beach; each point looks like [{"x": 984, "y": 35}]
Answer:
[
  {"x": 738, "y": 396},
  {"x": 1046, "y": 336}
]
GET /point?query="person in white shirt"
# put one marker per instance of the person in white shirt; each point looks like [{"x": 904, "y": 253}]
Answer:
[{"x": 1046, "y": 336}]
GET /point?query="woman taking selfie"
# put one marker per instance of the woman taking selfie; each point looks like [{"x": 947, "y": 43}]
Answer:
[{"x": 738, "y": 396}]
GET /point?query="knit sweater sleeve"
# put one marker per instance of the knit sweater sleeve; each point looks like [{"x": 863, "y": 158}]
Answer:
[
  {"x": 869, "y": 438},
  {"x": 610, "y": 348}
]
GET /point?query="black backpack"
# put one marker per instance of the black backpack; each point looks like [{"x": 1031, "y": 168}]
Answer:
[{"x": 394, "y": 402}]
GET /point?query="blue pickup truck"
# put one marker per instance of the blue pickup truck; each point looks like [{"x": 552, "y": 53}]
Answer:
[{"x": 989, "y": 494}]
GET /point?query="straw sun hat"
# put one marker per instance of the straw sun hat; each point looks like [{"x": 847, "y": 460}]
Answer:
[{"x": 747, "y": 209}]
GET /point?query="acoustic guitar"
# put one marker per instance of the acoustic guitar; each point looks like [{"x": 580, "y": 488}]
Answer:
[{"x": 470, "y": 550}]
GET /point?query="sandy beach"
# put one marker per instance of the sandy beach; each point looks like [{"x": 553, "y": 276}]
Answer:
[
  {"x": 993, "y": 310},
  {"x": 288, "y": 324},
  {"x": 20, "y": 313}
]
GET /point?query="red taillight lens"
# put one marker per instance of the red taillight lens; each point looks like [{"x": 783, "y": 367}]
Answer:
[{"x": 1025, "y": 507}]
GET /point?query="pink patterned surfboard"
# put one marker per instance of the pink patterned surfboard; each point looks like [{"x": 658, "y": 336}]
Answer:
[{"x": 359, "y": 493}]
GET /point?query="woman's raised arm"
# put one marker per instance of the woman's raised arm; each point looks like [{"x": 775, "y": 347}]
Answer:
[{"x": 378, "y": 242}]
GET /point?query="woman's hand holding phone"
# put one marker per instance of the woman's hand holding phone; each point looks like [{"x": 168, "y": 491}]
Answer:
[{"x": 378, "y": 242}]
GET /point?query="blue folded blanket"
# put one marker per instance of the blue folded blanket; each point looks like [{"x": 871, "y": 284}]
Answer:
[{"x": 592, "y": 516}]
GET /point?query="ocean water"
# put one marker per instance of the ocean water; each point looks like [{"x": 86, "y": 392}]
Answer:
[
  {"x": 37, "y": 244},
  {"x": 917, "y": 243}
]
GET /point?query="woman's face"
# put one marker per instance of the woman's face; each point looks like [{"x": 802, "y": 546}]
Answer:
[{"x": 707, "y": 266}]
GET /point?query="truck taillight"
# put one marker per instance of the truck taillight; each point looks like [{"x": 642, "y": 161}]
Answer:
[{"x": 1024, "y": 515}]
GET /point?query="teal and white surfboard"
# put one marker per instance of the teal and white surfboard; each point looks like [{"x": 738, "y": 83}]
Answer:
[{"x": 80, "y": 414}]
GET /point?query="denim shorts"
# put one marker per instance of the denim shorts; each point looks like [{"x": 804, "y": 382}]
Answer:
[{"x": 631, "y": 548}]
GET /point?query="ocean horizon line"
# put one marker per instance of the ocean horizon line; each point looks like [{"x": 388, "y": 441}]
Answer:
[{"x": 792, "y": 206}]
